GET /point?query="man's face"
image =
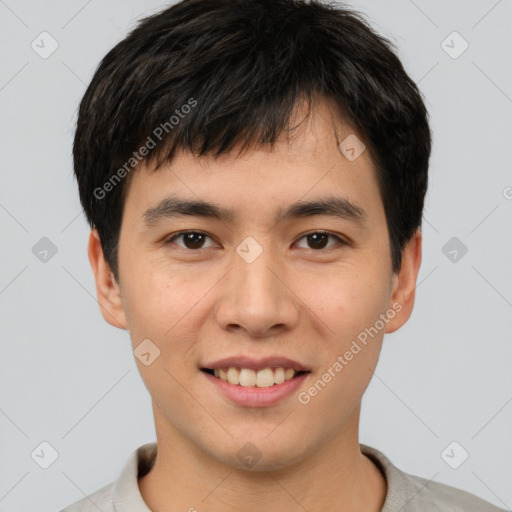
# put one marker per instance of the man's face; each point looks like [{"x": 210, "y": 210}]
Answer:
[{"x": 250, "y": 288}]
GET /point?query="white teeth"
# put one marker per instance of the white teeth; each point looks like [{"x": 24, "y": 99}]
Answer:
[
  {"x": 279, "y": 375},
  {"x": 233, "y": 376},
  {"x": 247, "y": 377},
  {"x": 289, "y": 373},
  {"x": 265, "y": 378}
]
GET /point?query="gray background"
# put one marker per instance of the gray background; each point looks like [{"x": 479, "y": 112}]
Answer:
[{"x": 69, "y": 378}]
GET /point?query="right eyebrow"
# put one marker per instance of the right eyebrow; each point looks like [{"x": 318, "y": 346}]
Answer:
[{"x": 174, "y": 207}]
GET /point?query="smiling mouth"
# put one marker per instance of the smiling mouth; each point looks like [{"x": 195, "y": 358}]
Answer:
[{"x": 247, "y": 377}]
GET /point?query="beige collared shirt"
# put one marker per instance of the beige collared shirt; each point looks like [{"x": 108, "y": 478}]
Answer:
[{"x": 406, "y": 493}]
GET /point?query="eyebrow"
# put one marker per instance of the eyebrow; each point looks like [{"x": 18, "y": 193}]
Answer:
[{"x": 331, "y": 206}]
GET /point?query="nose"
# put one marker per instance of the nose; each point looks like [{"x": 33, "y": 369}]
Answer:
[{"x": 258, "y": 298}]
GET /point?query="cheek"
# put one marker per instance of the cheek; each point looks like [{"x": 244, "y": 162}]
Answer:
[
  {"x": 160, "y": 300},
  {"x": 350, "y": 346},
  {"x": 164, "y": 309},
  {"x": 168, "y": 307},
  {"x": 347, "y": 299},
  {"x": 348, "y": 303}
]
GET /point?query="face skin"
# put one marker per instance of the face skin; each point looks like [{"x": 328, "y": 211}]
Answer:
[{"x": 301, "y": 298}]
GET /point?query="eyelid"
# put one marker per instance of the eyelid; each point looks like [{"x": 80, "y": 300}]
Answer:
[
  {"x": 169, "y": 239},
  {"x": 341, "y": 240}
]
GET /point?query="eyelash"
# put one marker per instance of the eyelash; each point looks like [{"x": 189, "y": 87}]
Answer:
[{"x": 342, "y": 242}]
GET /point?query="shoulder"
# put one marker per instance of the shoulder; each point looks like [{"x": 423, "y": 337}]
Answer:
[
  {"x": 123, "y": 493},
  {"x": 411, "y": 493},
  {"x": 102, "y": 499},
  {"x": 437, "y": 496}
]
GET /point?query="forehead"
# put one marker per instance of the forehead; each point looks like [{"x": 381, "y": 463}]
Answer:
[{"x": 304, "y": 163}]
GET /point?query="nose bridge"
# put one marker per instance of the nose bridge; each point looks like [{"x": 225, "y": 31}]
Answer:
[
  {"x": 252, "y": 270},
  {"x": 256, "y": 299}
]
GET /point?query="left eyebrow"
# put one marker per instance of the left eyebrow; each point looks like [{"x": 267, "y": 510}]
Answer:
[
  {"x": 339, "y": 207},
  {"x": 332, "y": 206}
]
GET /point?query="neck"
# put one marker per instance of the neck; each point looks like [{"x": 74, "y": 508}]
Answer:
[{"x": 336, "y": 476}]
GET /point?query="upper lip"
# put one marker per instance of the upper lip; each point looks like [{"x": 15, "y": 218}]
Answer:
[{"x": 255, "y": 364}]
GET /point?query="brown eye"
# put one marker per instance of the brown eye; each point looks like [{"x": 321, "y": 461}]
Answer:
[
  {"x": 319, "y": 240},
  {"x": 191, "y": 239}
]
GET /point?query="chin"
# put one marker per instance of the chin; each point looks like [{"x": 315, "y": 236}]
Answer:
[{"x": 255, "y": 454}]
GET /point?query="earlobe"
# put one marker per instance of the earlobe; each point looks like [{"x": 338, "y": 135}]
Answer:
[
  {"x": 404, "y": 283},
  {"x": 107, "y": 289}
]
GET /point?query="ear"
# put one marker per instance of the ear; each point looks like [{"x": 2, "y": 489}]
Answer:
[
  {"x": 404, "y": 283},
  {"x": 107, "y": 289}
]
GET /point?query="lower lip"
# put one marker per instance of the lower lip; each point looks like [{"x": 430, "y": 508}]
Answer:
[{"x": 254, "y": 396}]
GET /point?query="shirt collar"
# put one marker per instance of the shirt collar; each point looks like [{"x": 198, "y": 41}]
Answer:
[
  {"x": 400, "y": 495},
  {"x": 127, "y": 496},
  {"x": 402, "y": 490}
]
